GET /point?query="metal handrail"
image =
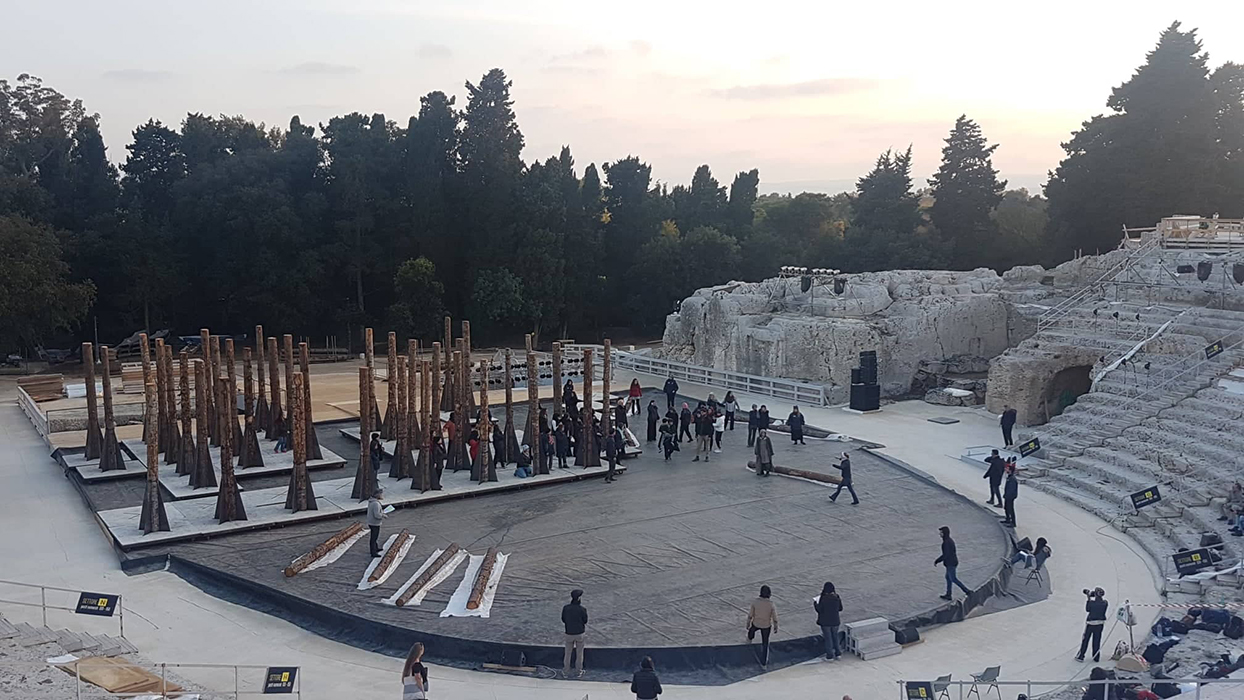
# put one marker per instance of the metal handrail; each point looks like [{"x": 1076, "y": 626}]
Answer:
[
  {"x": 83, "y": 691},
  {"x": 1051, "y": 686},
  {"x": 44, "y": 606},
  {"x": 1054, "y": 314}
]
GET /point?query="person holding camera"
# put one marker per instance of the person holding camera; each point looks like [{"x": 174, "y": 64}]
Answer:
[{"x": 1096, "y": 607}]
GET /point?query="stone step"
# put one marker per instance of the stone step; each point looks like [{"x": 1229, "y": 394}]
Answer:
[
  {"x": 29, "y": 636},
  {"x": 7, "y": 631},
  {"x": 73, "y": 642},
  {"x": 882, "y": 653},
  {"x": 870, "y": 627},
  {"x": 116, "y": 646},
  {"x": 1100, "y": 469}
]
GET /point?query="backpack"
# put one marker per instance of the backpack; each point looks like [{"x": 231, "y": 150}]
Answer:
[
  {"x": 1235, "y": 627},
  {"x": 1215, "y": 616}
]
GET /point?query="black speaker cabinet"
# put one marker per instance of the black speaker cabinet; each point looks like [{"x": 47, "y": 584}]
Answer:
[
  {"x": 855, "y": 376},
  {"x": 865, "y": 397}
]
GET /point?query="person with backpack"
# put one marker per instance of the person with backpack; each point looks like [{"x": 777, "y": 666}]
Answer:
[
  {"x": 644, "y": 683},
  {"x": 828, "y": 617}
]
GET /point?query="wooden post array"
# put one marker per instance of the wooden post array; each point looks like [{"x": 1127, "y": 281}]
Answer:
[
  {"x": 588, "y": 454},
  {"x": 558, "y": 401},
  {"x": 533, "y": 412},
  {"x": 606, "y": 419},
  {"x": 484, "y": 461},
  {"x": 94, "y": 442},
  {"x": 301, "y": 496},
  {"x": 204, "y": 474},
  {"x": 110, "y": 456},
  {"x": 252, "y": 456},
  {"x": 364, "y": 476},
  {"x": 424, "y": 468},
  {"x": 229, "y": 500},
  {"x": 173, "y": 452},
  {"x": 276, "y": 417},
  {"x": 388, "y": 425},
  {"x": 189, "y": 453},
  {"x": 369, "y": 353},
  {"x": 153, "y": 518},
  {"x": 313, "y": 440},
  {"x": 511, "y": 446},
  {"x": 263, "y": 420},
  {"x": 481, "y": 579},
  {"x": 218, "y": 423},
  {"x": 231, "y": 374},
  {"x": 401, "y": 465}
]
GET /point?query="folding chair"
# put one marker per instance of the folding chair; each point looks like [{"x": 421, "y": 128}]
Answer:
[
  {"x": 1036, "y": 575},
  {"x": 941, "y": 687},
  {"x": 989, "y": 676}
]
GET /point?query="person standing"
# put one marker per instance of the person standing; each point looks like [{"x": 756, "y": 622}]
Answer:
[
  {"x": 1096, "y": 607},
  {"x": 1008, "y": 424},
  {"x": 764, "y": 421},
  {"x": 414, "y": 675},
  {"x": 731, "y": 405},
  {"x": 654, "y": 417},
  {"x": 762, "y": 617},
  {"x": 613, "y": 450},
  {"x": 684, "y": 422},
  {"x": 828, "y": 617},
  {"x": 995, "y": 472},
  {"x": 1009, "y": 494},
  {"x": 845, "y": 467},
  {"x": 795, "y": 422},
  {"x": 561, "y": 443},
  {"x": 950, "y": 560},
  {"x": 376, "y": 451},
  {"x": 633, "y": 395},
  {"x": 375, "y": 516},
  {"x": 574, "y": 617},
  {"x": 671, "y": 391},
  {"x": 645, "y": 684},
  {"x": 719, "y": 429},
  {"x": 570, "y": 399},
  {"x": 764, "y": 453},
  {"x": 669, "y": 444},
  {"x": 753, "y": 425},
  {"x": 498, "y": 446},
  {"x": 703, "y": 434}
]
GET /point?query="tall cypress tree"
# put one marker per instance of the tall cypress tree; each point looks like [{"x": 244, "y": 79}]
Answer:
[{"x": 965, "y": 190}]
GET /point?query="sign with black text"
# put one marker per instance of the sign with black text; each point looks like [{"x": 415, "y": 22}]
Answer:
[
  {"x": 102, "y": 604},
  {"x": 1213, "y": 350},
  {"x": 1191, "y": 561},
  {"x": 919, "y": 690},
  {"x": 1147, "y": 497},
  {"x": 1027, "y": 448},
  {"x": 280, "y": 680}
]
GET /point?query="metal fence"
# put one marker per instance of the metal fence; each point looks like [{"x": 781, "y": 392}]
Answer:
[
  {"x": 44, "y": 606},
  {"x": 946, "y": 689},
  {"x": 206, "y": 680}
]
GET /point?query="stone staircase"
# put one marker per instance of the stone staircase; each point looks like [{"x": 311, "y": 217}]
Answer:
[{"x": 69, "y": 642}]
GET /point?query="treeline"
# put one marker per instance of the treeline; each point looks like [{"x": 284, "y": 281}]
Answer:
[{"x": 363, "y": 221}]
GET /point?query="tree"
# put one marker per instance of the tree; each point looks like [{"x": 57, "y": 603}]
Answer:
[
  {"x": 154, "y": 167},
  {"x": 660, "y": 269},
  {"x": 965, "y": 190},
  {"x": 886, "y": 230},
  {"x": 489, "y": 149},
  {"x": 497, "y": 300},
  {"x": 1020, "y": 220},
  {"x": 36, "y": 296},
  {"x": 711, "y": 257},
  {"x": 740, "y": 213},
  {"x": 1228, "y": 85},
  {"x": 418, "y": 311}
]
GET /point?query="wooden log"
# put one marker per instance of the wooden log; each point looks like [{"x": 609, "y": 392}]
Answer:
[
  {"x": 94, "y": 439},
  {"x": 413, "y": 394},
  {"x": 558, "y": 400},
  {"x": 153, "y": 518},
  {"x": 172, "y": 450},
  {"x": 369, "y": 354},
  {"x": 232, "y": 414},
  {"x": 205, "y": 348},
  {"x": 447, "y": 396},
  {"x": 421, "y": 581},
  {"x": 512, "y": 448},
  {"x": 481, "y": 579},
  {"x": 313, "y": 440},
  {"x": 276, "y": 416},
  {"x": 423, "y": 465},
  {"x": 144, "y": 347},
  {"x": 252, "y": 456},
  {"x": 588, "y": 454},
  {"x": 229, "y": 500},
  {"x": 388, "y": 425},
  {"x": 390, "y": 554},
  {"x": 321, "y": 550},
  {"x": 435, "y": 430},
  {"x": 801, "y": 473},
  {"x": 204, "y": 474},
  {"x": 483, "y": 458},
  {"x": 364, "y": 476},
  {"x": 606, "y": 399},
  {"x": 300, "y": 496},
  {"x": 533, "y": 411},
  {"x": 468, "y": 387},
  {"x": 110, "y": 457},
  {"x": 161, "y": 407},
  {"x": 218, "y": 397},
  {"x": 400, "y": 463},
  {"x": 189, "y": 453},
  {"x": 263, "y": 419}
]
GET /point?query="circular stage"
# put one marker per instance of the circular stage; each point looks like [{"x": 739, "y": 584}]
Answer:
[{"x": 670, "y": 557}]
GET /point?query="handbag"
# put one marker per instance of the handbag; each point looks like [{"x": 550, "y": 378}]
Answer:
[{"x": 412, "y": 688}]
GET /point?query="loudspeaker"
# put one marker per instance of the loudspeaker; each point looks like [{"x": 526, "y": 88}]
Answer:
[
  {"x": 1203, "y": 269},
  {"x": 805, "y": 283},
  {"x": 513, "y": 657},
  {"x": 1185, "y": 269},
  {"x": 1237, "y": 273},
  {"x": 840, "y": 285},
  {"x": 868, "y": 375},
  {"x": 907, "y": 635},
  {"x": 865, "y": 397},
  {"x": 855, "y": 376},
  {"x": 1211, "y": 539}
]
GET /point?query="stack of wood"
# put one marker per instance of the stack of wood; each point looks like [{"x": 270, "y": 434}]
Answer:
[
  {"x": 132, "y": 376},
  {"x": 44, "y": 387}
]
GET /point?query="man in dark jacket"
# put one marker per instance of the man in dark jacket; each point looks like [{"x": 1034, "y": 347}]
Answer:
[
  {"x": 753, "y": 425},
  {"x": 570, "y": 399},
  {"x": 561, "y": 443},
  {"x": 1096, "y": 607},
  {"x": 1008, "y": 424},
  {"x": 684, "y": 423},
  {"x": 574, "y": 617},
  {"x": 997, "y": 467},
  {"x": 1009, "y": 494},
  {"x": 671, "y": 391},
  {"x": 828, "y": 617},
  {"x": 764, "y": 454},
  {"x": 645, "y": 684},
  {"x": 764, "y": 421},
  {"x": 845, "y": 467},
  {"x": 795, "y": 422},
  {"x": 614, "y": 444},
  {"x": 654, "y": 417},
  {"x": 703, "y": 433},
  {"x": 950, "y": 560}
]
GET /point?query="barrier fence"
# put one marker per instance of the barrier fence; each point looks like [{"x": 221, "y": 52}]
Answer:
[
  {"x": 86, "y": 603},
  {"x": 215, "y": 681},
  {"x": 946, "y": 689}
]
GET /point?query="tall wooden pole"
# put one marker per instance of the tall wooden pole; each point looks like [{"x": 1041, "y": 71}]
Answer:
[
  {"x": 388, "y": 426},
  {"x": 455, "y": 459},
  {"x": 290, "y": 358},
  {"x": 469, "y": 386},
  {"x": 558, "y": 400},
  {"x": 511, "y": 446},
  {"x": 110, "y": 456},
  {"x": 276, "y": 417},
  {"x": 263, "y": 419},
  {"x": 301, "y": 496},
  {"x": 399, "y": 465},
  {"x": 170, "y": 401},
  {"x": 435, "y": 429},
  {"x": 94, "y": 442},
  {"x": 186, "y": 462},
  {"x": 364, "y": 476},
  {"x": 231, "y": 374},
  {"x": 423, "y": 465},
  {"x": 449, "y": 395},
  {"x": 533, "y": 411},
  {"x": 204, "y": 474},
  {"x": 369, "y": 353},
  {"x": 144, "y": 346},
  {"x": 153, "y": 518},
  {"x": 413, "y": 393},
  {"x": 589, "y": 450},
  {"x": 606, "y": 420},
  {"x": 252, "y": 456},
  {"x": 218, "y": 423},
  {"x": 161, "y": 405},
  {"x": 479, "y": 465},
  {"x": 205, "y": 346},
  {"x": 229, "y": 500},
  {"x": 312, "y": 440},
  {"x": 487, "y": 467}
]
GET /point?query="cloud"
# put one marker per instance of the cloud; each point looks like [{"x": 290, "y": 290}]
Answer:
[
  {"x": 809, "y": 88},
  {"x": 137, "y": 75},
  {"x": 319, "y": 68},
  {"x": 565, "y": 69},
  {"x": 643, "y": 48},
  {"x": 434, "y": 51},
  {"x": 591, "y": 53}
]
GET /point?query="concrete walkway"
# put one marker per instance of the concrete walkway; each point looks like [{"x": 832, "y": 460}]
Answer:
[{"x": 51, "y": 538}]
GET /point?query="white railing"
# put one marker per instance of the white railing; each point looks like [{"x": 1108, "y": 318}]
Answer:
[
  {"x": 227, "y": 681},
  {"x": 959, "y": 689},
  {"x": 797, "y": 392},
  {"x": 44, "y": 606},
  {"x": 32, "y": 412}
]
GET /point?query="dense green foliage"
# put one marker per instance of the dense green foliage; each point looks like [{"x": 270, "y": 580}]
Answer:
[{"x": 322, "y": 230}]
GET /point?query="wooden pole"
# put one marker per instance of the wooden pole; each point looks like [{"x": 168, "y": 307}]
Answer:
[
  {"x": 484, "y": 462},
  {"x": 231, "y": 373},
  {"x": 389, "y": 556},
  {"x": 588, "y": 454},
  {"x": 110, "y": 456},
  {"x": 558, "y": 400},
  {"x": 449, "y": 395},
  {"x": 189, "y": 453},
  {"x": 533, "y": 411},
  {"x": 424, "y": 466},
  {"x": 173, "y": 448},
  {"x": 413, "y": 394},
  {"x": 320, "y": 550},
  {"x": 512, "y": 448},
  {"x": 399, "y": 464},
  {"x": 204, "y": 474},
  {"x": 364, "y": 476},
  {"x": 468, "y": 387},
  {"x": 161, "y": 406},
  {"x": 263, "y": 417},
  {"x": 276, "y": 417},
  {"x": 94, "y": 443},
  {"x": 481, "y": 579},
  {"x": 205, "y": 346},
  {"x": 218, "y": 423},
  {"x": 153, "y": 518},
  {"x": 369, "y": 353},
  {"x": 455, "y": 461},
  {"x": 287, "y": 346},
  {"x": 301, "y": 496},
  {"x": 435, "y": 430},
  {"x": 387, "y": 427},
  {"x": 252, "y": 456},
  {"x": 144, "y": 346},
  {"x": 229, "y": 500},
  {"x": 606, "y": 399},
  {"x": 312, "y": 439}
]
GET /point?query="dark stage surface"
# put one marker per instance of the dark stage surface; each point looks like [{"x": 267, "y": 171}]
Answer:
[{"x": 670, "y": 557}]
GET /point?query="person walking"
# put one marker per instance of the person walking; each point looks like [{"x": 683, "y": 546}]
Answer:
[
  {"x": 995, "y": 472},
  {"x": 753, "y": 425},
  {"x": 633, "y": 395},
  {"x": 845, "y": 467},
  {"x": 1009, "y": 494},
  {"x": 375, "y": 516},
  {"x": 764, "y": 453},
  {"x": 654, "y": 417},
  {"x": 950, "y": 560},
  {"x": 795, "y": 422},
  {"x": 719, "y": 429},
  {"x": 561, "y": 443},
  {"x": 684, "y": 421},
  {"x": 762, "y": 617},
  {"x": 668, "y": 443},
  {"x": 644, "y": 683},
  {"x": 1096, "y": 607},
  {"x": 731, "y": 406},
  {"x": 703, "y": 434},
  {"x": 1008, "y": 424},
  {"x": 828, "y": 617},
  {"x": 574, "y": 617},
  {"x": 414, "y": 675},
  {"x": 671, "y": 391}
]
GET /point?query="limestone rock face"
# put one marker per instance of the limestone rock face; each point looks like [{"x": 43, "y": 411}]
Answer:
[{"x": 772, "y": 328}]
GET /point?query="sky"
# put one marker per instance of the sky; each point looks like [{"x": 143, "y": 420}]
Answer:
[{"x": 808, "y": 92}]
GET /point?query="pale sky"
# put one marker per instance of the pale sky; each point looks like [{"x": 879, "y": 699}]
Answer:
[{"x": 808, "y": 92}]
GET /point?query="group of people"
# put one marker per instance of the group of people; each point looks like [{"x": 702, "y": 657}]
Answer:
[
  {"x": 1001, "y": 468},
  {"x": 710, "y": 419}
]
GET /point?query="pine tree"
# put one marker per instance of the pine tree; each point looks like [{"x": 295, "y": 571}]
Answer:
[{"x": 965, "y": 190}]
